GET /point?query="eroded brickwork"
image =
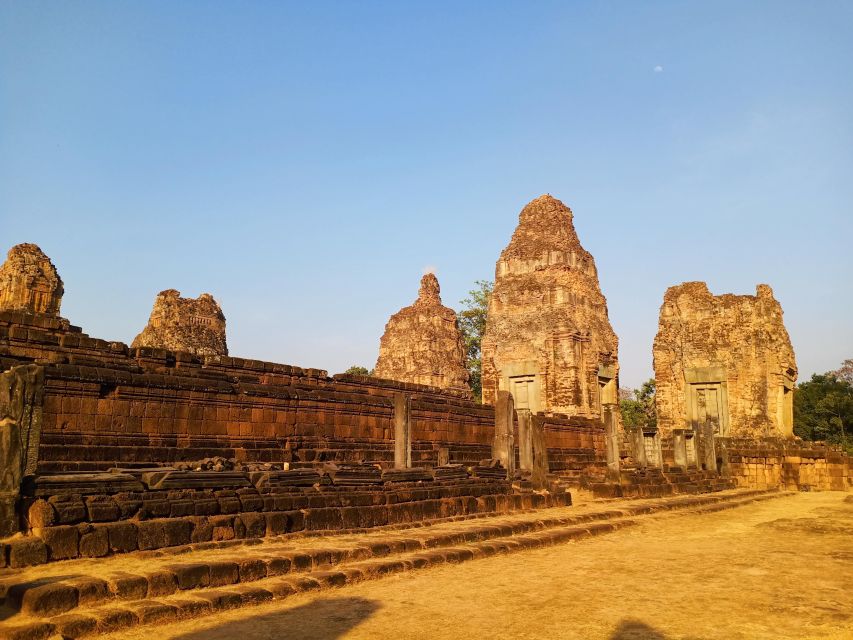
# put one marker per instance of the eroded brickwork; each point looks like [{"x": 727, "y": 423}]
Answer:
[
  {"x": 29, "y": 282},
  {"x": 789, "y": 464},
  {"x": 422, "y": 343},
  {"x": 548, "y": 337},
  {"x": 724, "y": 360},
  {"x": 106, "y": 404},
  {"x": 191, "y": 325}
]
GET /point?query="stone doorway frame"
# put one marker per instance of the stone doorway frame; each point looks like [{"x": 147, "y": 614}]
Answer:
[
  {"x": 701, "y": 379},
  {"x": 525, "y": 372}
]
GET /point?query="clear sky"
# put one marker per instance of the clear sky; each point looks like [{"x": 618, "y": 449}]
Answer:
[{"x": 305, "y": 162}]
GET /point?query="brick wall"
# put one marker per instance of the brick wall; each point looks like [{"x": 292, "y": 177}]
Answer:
[
  {"x": 791, "y": 465},
  {"x": 107, "y": 405}
]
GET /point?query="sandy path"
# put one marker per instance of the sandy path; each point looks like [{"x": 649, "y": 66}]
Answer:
[{"x": 777, "y": 569}]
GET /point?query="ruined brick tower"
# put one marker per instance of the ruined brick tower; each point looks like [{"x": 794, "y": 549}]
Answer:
[
  {"x": 193, "y": 325},
  {"x": 422, "y": 343},
  {"x": 548, "y": 338},
  {"x": 724, "y": 360},
  {"x": 29, "y": 282}
]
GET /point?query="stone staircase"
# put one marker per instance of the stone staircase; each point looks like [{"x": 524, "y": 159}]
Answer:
[
  {"x": 79, "y": 598},
  {"x": 652, "y": 482}
]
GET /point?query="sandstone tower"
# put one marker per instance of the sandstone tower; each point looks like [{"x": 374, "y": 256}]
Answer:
[
  {"x": 724, "y": 360},
  {"x": 548, "y": 338},
  {"x": 422, "y": 343},
  {"x": 29, "y": 282},
  {"x": 193, "y": 325}
]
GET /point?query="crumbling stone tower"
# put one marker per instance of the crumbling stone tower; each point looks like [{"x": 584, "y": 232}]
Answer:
[
  {"x": 548, "y": 337},
  {"x": 29, "y": 282},
  {"x": 193, "y": 325},
  {"x": 422, "y": 343},
  {"x": 723, "y": 361}
]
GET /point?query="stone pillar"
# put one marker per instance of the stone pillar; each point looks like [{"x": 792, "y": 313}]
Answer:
[
  {"x": 538, "y": 453},
  {"x": 525, "y": 442},
  {"x": 656, "y": 458},
  {"x": 708, "y": 454},
  {"x": 722, "y": 447},
  {"x": 402, "y": 432},
  {"x": 679, "y": 448},
  {"x": 21, "y": 395},
  {"x": 638, "y": 446},
  {"x": 503, "y": 448},
  {"x": 443, "y": 456},
  {"x": 611, "y": 439}
]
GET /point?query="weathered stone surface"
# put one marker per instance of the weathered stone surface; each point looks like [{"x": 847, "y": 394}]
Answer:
[
  {"x": 422, "y": 343},
  {"x": 548, "y": 338},
  {"x": 29, "y": 282},
  {"x": 503, "y": 447},
  {"x": 21, "y": 392},
  {"x": 193, "y": 325},
  {"x": 724, "y": 361}
]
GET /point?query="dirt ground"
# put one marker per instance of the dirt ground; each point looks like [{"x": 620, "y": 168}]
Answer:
[{"x": 778, "y": 569}]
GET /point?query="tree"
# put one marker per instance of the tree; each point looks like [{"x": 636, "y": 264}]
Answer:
[
  {"x": 358, "y": 370},
  {"x": 845, "y": 373},
  {"x": 472, "y": 324},
  {"x": 823, "y": 409},
  {"x": 638, "y": 407}
]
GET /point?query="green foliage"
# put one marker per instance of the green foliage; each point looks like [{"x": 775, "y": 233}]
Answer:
[
  {"x": 472, "y": 324},
  {"x": 360, "y": 371},
  {"x": 823, "y": 408},
  {"x": 638, "y": 406}
]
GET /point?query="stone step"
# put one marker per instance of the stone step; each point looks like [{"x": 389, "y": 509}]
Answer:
[
  {"x": 51, "y": 595},
  {"x": 93, "y": 618}
]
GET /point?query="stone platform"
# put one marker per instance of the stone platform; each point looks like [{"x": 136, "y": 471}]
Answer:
[
  {"x": 86, "y": 597},
  {"x": 77, "y": 516},
  {"x": 655, "y": 483}
]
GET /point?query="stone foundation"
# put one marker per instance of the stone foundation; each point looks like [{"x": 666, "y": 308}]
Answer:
[
  {"x": 791, "y": 465},
  {"x": 776, "y": 463},
  {"x": 70, "y": 525}
]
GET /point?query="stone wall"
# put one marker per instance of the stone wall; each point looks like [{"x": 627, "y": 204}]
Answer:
[
  {"x": 725, "y": 362},
  {"x": 548, "y": 337},
  {"x": 789, "y": 464},
  {"x": 97, "y": 524},
  {"x": 422, "y": 344},
  {"x": 106, "y": 404}
]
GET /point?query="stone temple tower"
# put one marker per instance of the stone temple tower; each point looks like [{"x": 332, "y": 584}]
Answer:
[
  {"x": 422, "y": 343},
  {"x": 548, "y": 338},
  {"x": 724, "y": 362},
  {"x": 29, "y": 282},
  {"x": 192, "y": 325}
]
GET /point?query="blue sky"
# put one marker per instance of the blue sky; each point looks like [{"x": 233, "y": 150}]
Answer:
[{"x": 305, "y": 162}]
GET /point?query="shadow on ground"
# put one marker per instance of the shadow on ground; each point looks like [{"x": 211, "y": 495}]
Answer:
[
  {"x": 636, "y": 630},
  {"x": 322, "y": 619}
]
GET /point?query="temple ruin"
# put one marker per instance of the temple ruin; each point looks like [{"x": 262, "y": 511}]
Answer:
[
  {"x": 110, "y": 450},
  {"x": 548, "y": 338},
  {"x": 724, "y": 361},
  {"x": 29, "y": 282},
  {"x": 190, "y": 325},
  {"x": 422, "y": 344}
]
